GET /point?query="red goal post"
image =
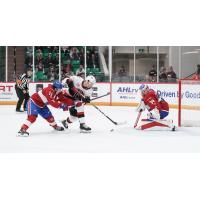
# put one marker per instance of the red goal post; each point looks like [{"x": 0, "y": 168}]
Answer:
[{"x": 189, "y": 102}]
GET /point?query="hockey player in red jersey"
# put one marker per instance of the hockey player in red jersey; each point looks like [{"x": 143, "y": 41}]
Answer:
[
  {"x": 79, "y": 92},
  {"x": 158, "y": 110},
  {"x": 38, "y": 105}
]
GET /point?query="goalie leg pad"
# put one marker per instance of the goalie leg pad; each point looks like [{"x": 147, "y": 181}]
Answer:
[{"x": 150, "y": 124}]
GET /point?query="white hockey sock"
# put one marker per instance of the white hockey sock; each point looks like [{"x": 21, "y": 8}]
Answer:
[
  {"x": 81, "y": 114},
  {"x": 71, "y": 119}
]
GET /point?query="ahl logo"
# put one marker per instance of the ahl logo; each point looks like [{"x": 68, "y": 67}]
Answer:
[
  {"x": 127, "y": 90},
  {"x": 5, "y": 88}
]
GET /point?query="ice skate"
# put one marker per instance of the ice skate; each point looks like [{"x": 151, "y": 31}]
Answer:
[
  {"x": 64, "y": 123},
  {"x": 84, "y": 128},
  {"x": 59, "y": 128},
  {"x": 22, "y": 133},
  {"x": 19, "y": 111},
  {"x": 174, "y": 128}
]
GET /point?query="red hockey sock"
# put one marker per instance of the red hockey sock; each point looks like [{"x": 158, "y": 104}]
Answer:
[
  {"x": 30, "y": 120},
  {"x": 51, "y": 121},
  {"x": 24, "y": 127}
]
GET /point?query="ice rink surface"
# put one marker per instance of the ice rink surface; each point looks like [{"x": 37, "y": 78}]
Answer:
[{"x": 124, "y": 138}]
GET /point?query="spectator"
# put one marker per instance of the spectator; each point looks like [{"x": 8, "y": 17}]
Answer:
[
  {"x": 48, "y": 61},
  {"x": 74, "y": 54},
  {"x": 40, "y": 66},
  {"x": 171, "y": 75},
  {"x": 147, "y": 79},
  {"x": 80, "y": 72},
  {"x": 196, "y": 76},
  {"x": 163, "y": 75},
  {"x": 55, "y": 61},
  {"x": 29, "y": 73},
  {"x": 51, "y": 74},
  {"x": 81, "y": 56},
  {"x": 92, "y": 60},
  {"x": 153, "y": 74},
  {"x": 67, "y": 71},
  {"x": 122, "y": 71},
  {"x": 38, "y": 58}
]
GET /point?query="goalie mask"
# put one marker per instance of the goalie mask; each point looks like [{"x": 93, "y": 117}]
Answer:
[{"x": 143, "y": 89}]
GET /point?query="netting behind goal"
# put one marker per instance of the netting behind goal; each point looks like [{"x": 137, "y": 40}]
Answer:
[{"x": 189, "y": 103}]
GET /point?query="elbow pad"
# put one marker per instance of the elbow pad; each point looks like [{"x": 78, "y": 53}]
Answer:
[{"x": 70, "y": 83}]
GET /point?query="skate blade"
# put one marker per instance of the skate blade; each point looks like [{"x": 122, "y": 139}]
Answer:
[
  {"x": 20, "y": 135},
  {"x": 84, "y": 131}
]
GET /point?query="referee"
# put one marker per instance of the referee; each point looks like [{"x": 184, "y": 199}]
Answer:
[{"x": 21, "y": 88}]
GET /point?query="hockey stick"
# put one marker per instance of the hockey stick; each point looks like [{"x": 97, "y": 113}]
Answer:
[
  {"x": 100, "y": 96},
  {"x": 116, "y": 123},
  {"x": 137, "y": 119}
]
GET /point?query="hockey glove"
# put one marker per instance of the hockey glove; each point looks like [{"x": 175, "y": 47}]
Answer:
[
  {"x": 141, "y": 107},
  {"x": 86, "y": 99},
  {"x": 64, "y": 107}
]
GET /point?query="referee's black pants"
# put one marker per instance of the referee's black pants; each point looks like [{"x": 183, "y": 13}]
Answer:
[{"x": 21, "y": 97}]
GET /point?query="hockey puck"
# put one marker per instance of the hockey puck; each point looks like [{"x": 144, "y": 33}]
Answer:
[{"x": 111, "y": 130}]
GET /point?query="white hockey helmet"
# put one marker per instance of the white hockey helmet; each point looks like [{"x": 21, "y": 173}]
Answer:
[{"x": 91, "y": 79}]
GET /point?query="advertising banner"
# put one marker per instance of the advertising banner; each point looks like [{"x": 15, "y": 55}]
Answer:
[
  {"x": 121, "y": 93},
  {"x": 7, "y": 92},
  {"x": 129, "y": 93}
]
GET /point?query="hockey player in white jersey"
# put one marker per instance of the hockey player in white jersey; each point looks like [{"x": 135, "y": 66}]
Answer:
[{"x": 78, "y": 93}]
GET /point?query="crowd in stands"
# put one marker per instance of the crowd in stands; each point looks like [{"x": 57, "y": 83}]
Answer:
[
  {"x": 165, "y": 75},
  {"x": 46, "y": 63},
  {"x": 92, "y": 57},
  {"x": 71, "y": 59},
  {"x": 73, "y": 62}
]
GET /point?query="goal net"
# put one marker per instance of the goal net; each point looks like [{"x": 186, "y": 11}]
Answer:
[{"x": 189, "y": 102}]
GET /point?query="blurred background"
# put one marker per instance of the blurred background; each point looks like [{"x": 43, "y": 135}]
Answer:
[{"x": 106, "y": 63}]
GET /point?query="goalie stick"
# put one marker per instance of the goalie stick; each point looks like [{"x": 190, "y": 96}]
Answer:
[{"x": 137, "y": 119}]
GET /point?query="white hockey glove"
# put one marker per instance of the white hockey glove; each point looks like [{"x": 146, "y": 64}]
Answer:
[
  {"x": 141, "y": 106},
  {"x": 154, "y": 114}
]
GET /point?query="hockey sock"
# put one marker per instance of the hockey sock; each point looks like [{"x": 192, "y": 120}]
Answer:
[
  {"x": 71, "y": 119},
  {"x": 51, "y": 121},
  {"x": 80, "y": 113},
  {"x": 30, "y": 120}
]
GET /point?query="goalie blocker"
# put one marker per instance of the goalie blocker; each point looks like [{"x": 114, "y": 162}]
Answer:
[{"x": 158, "y": 110}]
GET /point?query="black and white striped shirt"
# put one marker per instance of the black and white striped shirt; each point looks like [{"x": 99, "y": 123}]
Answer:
[{"x": 22, "y": 82}]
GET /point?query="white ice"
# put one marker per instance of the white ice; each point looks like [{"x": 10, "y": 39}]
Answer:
[{"x": 124, "y": 138}]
